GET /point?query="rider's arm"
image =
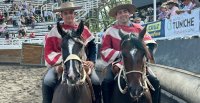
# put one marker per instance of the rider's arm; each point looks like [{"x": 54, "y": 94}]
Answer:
[
  {"x": 52, "y": 50},
  {"x": 91, "y": 55},
  {"x": 108, "y": 52}
]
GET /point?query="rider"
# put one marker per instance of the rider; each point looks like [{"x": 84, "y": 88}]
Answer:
[
  {"x": 110, "y": 50},
  {"x": 53, "y": 56}
]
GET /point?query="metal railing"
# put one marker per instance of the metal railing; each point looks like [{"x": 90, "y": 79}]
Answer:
[
  {"x": 87, "y": 5},
  {"x": 54, "y": 6},
  {"x": 17, "y": 43}
]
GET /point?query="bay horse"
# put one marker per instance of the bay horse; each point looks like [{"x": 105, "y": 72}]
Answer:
[
  {"x": 131, "y": 83},
  {"x": 73, "y": 87}
]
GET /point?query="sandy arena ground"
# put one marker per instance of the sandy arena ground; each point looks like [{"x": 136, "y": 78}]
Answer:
[{"x": 21, "y": 84}]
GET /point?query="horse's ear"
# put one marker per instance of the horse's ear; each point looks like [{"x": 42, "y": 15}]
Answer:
[
  {"x": 142, "y": 33},
  {"x": 80, "y": 28},
  {"x": 60, "y": 31}
]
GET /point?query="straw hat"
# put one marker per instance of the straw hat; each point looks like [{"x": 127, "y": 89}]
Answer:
[
  {"x": 164, "y": 5},
  {"x": 171, "y": 2},
  {"x": 130, "y": 7},
  {"x": 67, "y": 6}
]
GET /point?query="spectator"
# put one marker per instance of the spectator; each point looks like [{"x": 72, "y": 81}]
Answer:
[
  {"x": 138, "y": 20},
  {"x": 188, "y": 5},
  {"x": 7, "y": 36},
  {"x": 164, "y": 13},
  {"x": 22, "y": 31},
  {"x": 50, "y": 15},
  {"x": 14, "y": 19},
  {"x": 23, "y": 21},
  {"x": 1, "y": 17},
  {"x": 33, "y": 22},
  {"x": 173, "y": 8},
  {"x": 3, "y": 30}
]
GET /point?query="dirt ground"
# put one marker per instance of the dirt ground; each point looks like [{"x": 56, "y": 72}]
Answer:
[{"x": 21, "y": 84}]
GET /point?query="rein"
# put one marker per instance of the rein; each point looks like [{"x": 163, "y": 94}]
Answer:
[{"x": 123, "y": 73}]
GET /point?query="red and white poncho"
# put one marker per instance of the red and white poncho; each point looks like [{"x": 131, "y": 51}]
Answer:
[
  {"x": 52, "y": 52},
  {"x": 111, "y": 41}
]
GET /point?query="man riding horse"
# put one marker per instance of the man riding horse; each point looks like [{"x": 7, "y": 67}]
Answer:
[
  {"x": 111, "y": 51},
  {"x": 53, "y": 54}
]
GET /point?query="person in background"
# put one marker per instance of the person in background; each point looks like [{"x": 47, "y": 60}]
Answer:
[
  {"x": 173, "y": 8},
  {"x": 188, "y": 5},
  {"x": 164, "y": 13},
  {"x": 33, "y": 22},
  {"x": 138, "y": 20},
  {"x": 1, "y": 17}
]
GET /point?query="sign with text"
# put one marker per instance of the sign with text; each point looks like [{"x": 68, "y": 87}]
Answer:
[
  {"x": 155, "y": 29},
  {"x": 183, "y": 24}
]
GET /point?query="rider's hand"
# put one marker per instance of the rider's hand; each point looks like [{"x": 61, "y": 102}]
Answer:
[
  {"x": 115, "y": 69},
  {"x": 88, "y": 64},
  {"x": 59, "y": 69}
]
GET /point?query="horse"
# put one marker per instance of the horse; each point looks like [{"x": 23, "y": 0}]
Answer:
[
  {"x": 131, "y": 83},
  {"x": 72, "y": 87}
]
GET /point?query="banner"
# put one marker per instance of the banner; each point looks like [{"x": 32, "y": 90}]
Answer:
[
  {"x": 155, "y": 29},
  {"x": 183, "y": 24}
]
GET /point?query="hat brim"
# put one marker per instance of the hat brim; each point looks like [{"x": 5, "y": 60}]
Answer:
[
  {"x": 130, "y": 7},
  {"x": 67, "y": 8},
  {"x": 171, "y": 3}
]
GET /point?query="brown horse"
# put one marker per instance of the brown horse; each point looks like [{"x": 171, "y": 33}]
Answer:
[
  {"x": 73, "y": 87},
  {"x": 131, "y": 84}
]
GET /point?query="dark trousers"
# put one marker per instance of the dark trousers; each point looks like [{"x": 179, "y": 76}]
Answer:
[
  {"x": 47, "y": 93},
  {"x": 156, "y": 84},
  {"x": 108, "y": 85}
]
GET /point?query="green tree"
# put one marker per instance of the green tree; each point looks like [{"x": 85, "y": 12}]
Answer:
[{"x": 98, "y": 19}]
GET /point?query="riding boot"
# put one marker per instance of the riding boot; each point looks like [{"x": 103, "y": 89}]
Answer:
[
  {"x": 107, "y": 90},
  {"x": 156, "y": 84},
  {"x": 47, "y": 93},
  {"x": 97, "y": 93}
]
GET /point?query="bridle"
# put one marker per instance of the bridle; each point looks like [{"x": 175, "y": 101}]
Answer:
[
  {"x": 76, "y": 57},
  {"x": 123, "y": 73}
]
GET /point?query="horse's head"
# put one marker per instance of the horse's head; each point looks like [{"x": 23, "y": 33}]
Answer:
[
  {"x": 72, "y": 53},
  {"x": 134, "y": 52}
]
